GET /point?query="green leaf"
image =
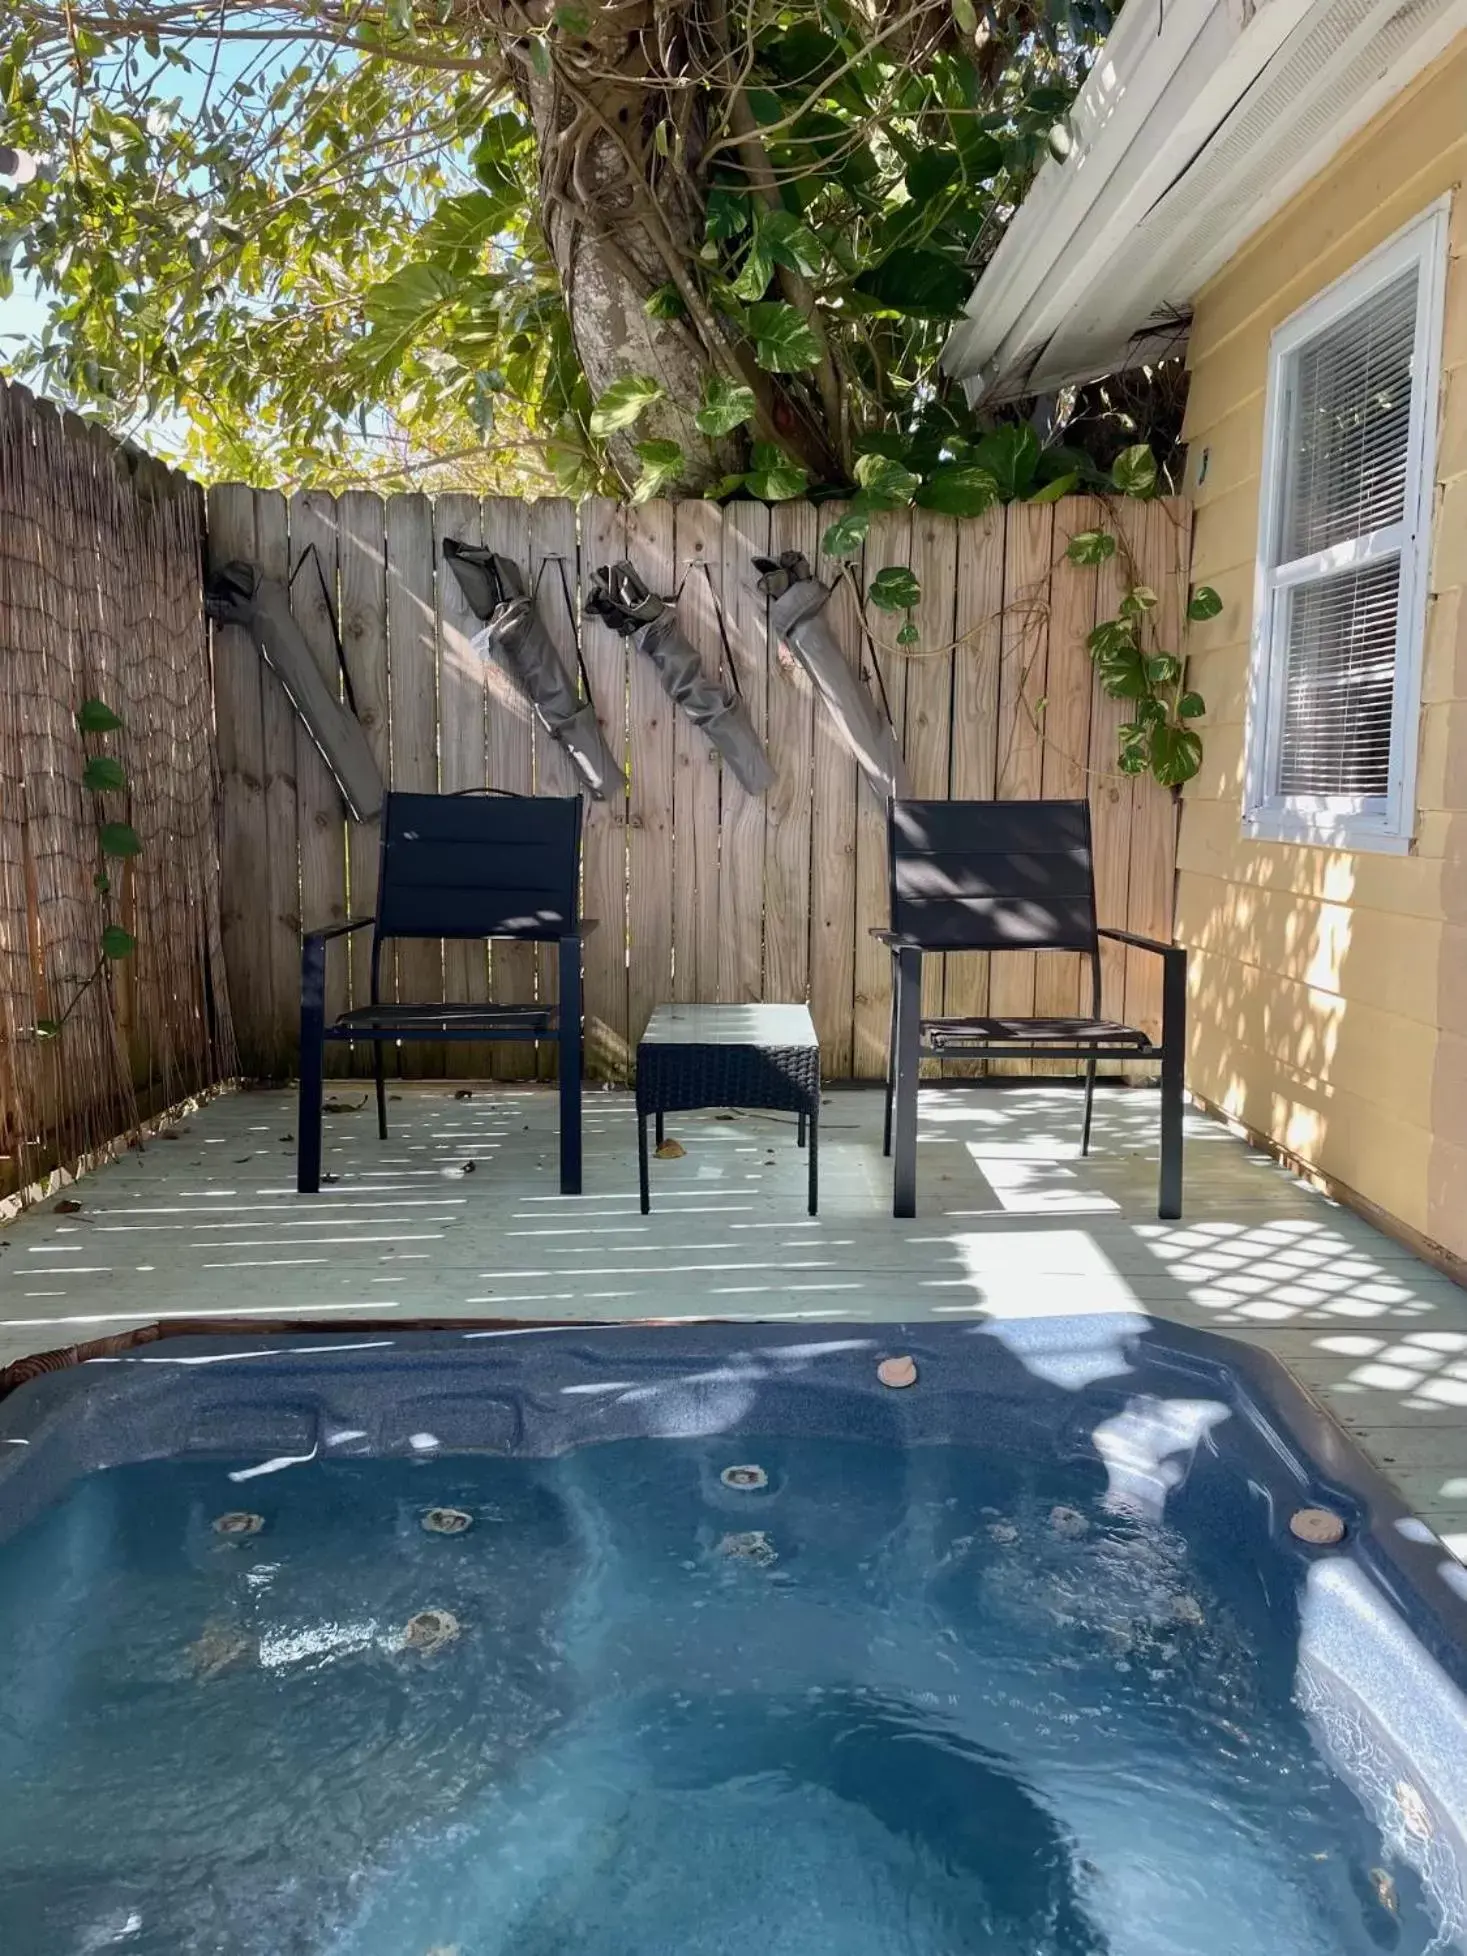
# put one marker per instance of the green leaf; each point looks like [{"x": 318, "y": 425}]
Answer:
[
  {"x": 930, "y": 171},
  {"x": 1134, "y": 471},
  {"x": 755, "y": 273},
  {"x": 847, "y": 533},
  {"x": 1011, "y": 455},
  {"x": 965, "y": 16},
  {"x": 117, "y": 942},
  {"x": 665, "y": 303},
  {"x": 887, "y": 483},
  {"x": 725, "y": 486},
  {"x": 958, "y": 489},
  {"x": 894, "y": 589},
  {"x": 1111, "y": 639},
  {"x": 662, "y": 463},
  {"x": 1203, "y": 603},
  {"x": 783, "y": 341},
  {"x": 95, "y": 716},
  {"x": 1060, "y": 485},
  {"x": 623, "y": 401},
  {"x": 728, "y": 213},
  {"x": 1162, "y": 669},
  {"x": 48, "y": 1028},
  {"x": 789, "y": 242},
  {"x": 120, "y": 839},
  {"x": 1191, "y": 706},
  {"x": 918, "y": 282},
  {"x": 571, "y": 19},
  {"x": 774, "y": 477},
  {"x": 908, "y": 635},
  {"x": 1091, "y": 547},
  {"x": 461, "y": 227},
  {"x": 727, "y": 405},
  {"x": 101, "y": 882},
  {"x": 1132, "y": 760},
  {"x": 402, "y": 305},
  {"x": 103, "y": 775},
  {"x": 1176, "y": 755}
]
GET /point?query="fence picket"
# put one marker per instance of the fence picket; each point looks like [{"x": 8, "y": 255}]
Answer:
[
  {"x": 320, "y": 817},
  {"x": 649, "y": 840},
  {"x": 604, "y": 850},
  {"x": 362, "y": 559},
  {"x": 793, "y": 526}
]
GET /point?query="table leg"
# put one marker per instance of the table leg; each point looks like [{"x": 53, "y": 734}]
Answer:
[
  {"x": 661, "y": 1131},
  {"x": 814, "y": 1162},
  {"x": 646, "y": 1192}
]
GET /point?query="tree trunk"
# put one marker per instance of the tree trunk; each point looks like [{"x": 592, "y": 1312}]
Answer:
[{"x": 620, "y": 113}]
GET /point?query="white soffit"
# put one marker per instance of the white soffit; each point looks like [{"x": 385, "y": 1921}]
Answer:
[{"x": 1199, "y": 121}]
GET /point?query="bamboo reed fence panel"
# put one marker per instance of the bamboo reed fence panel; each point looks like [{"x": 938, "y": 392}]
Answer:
[
  {"x": 101, "y": 598},
  {"x": 702, "y": 892}
]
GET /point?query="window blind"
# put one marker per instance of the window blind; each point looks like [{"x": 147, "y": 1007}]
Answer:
[
  {"x": 1340, "y": 682},
  {"x": 1350, "y": 424}
]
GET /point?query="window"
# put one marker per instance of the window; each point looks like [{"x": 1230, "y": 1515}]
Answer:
[{"x": 1345, "y": 524}]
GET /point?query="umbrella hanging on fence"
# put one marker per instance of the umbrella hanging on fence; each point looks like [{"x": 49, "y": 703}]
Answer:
[
  {"x": 237, "y": 594},
  {"x": 516, "y": 639},
  {"x": 621, "y": 600},
  {"x": 800, "y": 618}
]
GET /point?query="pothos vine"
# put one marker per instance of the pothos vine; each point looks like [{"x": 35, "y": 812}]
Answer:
[
  {"x": 117, "y": 841},
  {"x": 1159, "y": 738}
]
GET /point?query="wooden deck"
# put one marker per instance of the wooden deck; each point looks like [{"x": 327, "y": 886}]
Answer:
[{"x": 458, "y": 1215}]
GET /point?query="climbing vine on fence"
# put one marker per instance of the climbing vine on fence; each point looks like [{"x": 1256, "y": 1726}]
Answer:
[
  {"x": 104, "y": 777},
  {"x": 1010, "y": 465}
]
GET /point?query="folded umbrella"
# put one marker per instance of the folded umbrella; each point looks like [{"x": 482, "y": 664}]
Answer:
[
  {"x": 517, "y": 641},
  {"x": 800, "y": 618},
  {"x": 237, "y": 594},
  {"x": 621, "y": 600}
]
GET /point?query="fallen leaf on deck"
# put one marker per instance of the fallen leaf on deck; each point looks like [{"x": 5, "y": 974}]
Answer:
[
  {"x": 66, "y": 1207},
  {"x": 671, "y": 1151},
  {"x": 287, "y": 1137},
  {"x": 469, "y": 1167},
  {"x": 463, "y": 1093},
  {"x": 167, "y": 1134},
  {"x": 343, "y": 1106},
  {"x": 330, "y": 1178}
]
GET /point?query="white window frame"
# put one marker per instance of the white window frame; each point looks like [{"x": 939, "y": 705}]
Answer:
[{"x": 1385, "y": 823}]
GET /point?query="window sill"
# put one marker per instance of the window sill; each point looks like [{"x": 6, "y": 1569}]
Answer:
[{"x": 1319, "y": 832}]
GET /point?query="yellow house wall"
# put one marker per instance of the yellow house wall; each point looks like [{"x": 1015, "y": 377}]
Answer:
[{"x": 1329, "y": 986}]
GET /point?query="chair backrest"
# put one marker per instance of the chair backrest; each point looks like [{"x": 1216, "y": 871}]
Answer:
[
  {"x": 993, "y": 875},
  {"x": 479, "y": 866}
]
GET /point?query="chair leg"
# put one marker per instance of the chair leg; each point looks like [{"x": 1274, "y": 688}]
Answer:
[
  {"x": 800, "y": 1133},
  {"x": 313, "y": 1048},
  {"x": 1173, "y": 1070},
  {"x": 643, "y": 1182},
  {"x": 379, "y": 1074},
  {"x": 891, "y": 1041},
  {"x": 908, "y": 1062},
  {"x": 814, "y": 1129},
  {"x": 1089, "y": 1106},
  {"x": 568, "y": 1021}
]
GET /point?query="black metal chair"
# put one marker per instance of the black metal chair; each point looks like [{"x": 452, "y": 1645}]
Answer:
[
  {"x": 1011, "y": 876},
  {"x": 460, "y": 866}
]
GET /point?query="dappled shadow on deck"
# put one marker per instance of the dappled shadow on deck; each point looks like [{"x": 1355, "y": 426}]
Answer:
[{"x": 458, "y": 1216}]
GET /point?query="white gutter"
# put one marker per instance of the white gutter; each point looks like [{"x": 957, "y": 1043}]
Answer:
[{"x": 1163, "y": 179}]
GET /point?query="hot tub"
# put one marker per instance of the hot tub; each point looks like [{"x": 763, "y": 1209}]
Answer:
[{"x": 702, "y": 1639}]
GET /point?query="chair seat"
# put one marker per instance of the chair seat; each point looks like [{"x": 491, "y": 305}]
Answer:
[
  {"x": 392, "y": 1017},
  {"x": 942, "y": 1033}
]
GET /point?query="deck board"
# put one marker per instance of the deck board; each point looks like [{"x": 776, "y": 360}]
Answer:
[{"x": 1012, "y": 1224}]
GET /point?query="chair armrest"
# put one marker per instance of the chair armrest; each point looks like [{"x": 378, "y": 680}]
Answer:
[
  {"x": 1139, "y": 943},
  {"x": 895, "y": 941},
  {"x": 587, "y": 927},
  {"x": 338, "y": 930}
]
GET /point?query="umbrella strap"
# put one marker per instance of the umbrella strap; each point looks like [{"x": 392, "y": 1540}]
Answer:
[
  {"x": 570, "y": 612},
  {"x": 701, "y": 564},
  {"x": 875, "y": 662},
  {"x": 315, "y": 556}
]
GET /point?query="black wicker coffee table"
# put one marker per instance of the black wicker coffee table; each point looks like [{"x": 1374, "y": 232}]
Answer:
[{"x": 729, "y": 1056}]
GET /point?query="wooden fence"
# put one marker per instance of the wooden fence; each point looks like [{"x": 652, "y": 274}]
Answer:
[
  {"x": 101, "y": 597},
  {"x": 702, "y": 891}
]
